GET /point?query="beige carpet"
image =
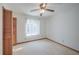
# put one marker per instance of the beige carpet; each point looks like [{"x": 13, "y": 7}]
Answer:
[{"x": 42, "y": 47}]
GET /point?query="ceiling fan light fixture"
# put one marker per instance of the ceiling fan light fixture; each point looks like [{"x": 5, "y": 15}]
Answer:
[
  {"x": 42, "y": 11},
  {"x": 43, "y": 8}
]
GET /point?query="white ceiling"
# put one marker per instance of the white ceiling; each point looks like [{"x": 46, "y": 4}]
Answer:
[{"x": 27, "y": 7}]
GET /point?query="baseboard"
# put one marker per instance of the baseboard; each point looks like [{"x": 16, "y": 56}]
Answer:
[
  {"x": 29, "y": 41},
  {"x": 64, "y": 45}
]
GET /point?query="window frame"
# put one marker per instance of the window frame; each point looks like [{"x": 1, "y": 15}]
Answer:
[{"x": 32, "y": 34}]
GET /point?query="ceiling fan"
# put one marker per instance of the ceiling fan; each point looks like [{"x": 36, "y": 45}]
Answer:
[{"x": 42, "y": 8}]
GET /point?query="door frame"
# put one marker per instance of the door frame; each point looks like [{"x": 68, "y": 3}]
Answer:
[{"x": 14, "y": 18}]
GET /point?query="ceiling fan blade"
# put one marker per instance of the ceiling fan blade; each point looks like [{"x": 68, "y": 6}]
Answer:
[
  {"x": 50, "y": 10},
  {"x": 34, "y": 10},
  {"x": 41, "y": 14}
]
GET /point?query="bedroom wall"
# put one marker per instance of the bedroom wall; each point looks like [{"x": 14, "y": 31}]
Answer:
[
  {"x": 63, "y": 26},
  {"x": 21, "y": 19},
  {"x": 1, "y": 29}
]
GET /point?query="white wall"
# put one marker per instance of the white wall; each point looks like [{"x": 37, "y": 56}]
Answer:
[
  {"x": 20, "y": 26},
  {"x": 21, "y": 19},
  {"x": 0, "y": 29},
  {"x": 63, "y": 26}
]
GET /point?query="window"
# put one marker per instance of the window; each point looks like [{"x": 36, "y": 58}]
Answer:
[{"x": 32, "y": 27}]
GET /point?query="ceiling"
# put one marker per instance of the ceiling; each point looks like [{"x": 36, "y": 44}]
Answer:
[{"x": 27, "y": 7}]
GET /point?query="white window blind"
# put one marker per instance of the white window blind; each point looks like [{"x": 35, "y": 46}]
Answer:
[{"x": 32, "y": 27}]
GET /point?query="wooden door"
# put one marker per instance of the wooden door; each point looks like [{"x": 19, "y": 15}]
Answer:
[
  {"x": 7, "y": 32},
  {"x": 14, "y": 31}
]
